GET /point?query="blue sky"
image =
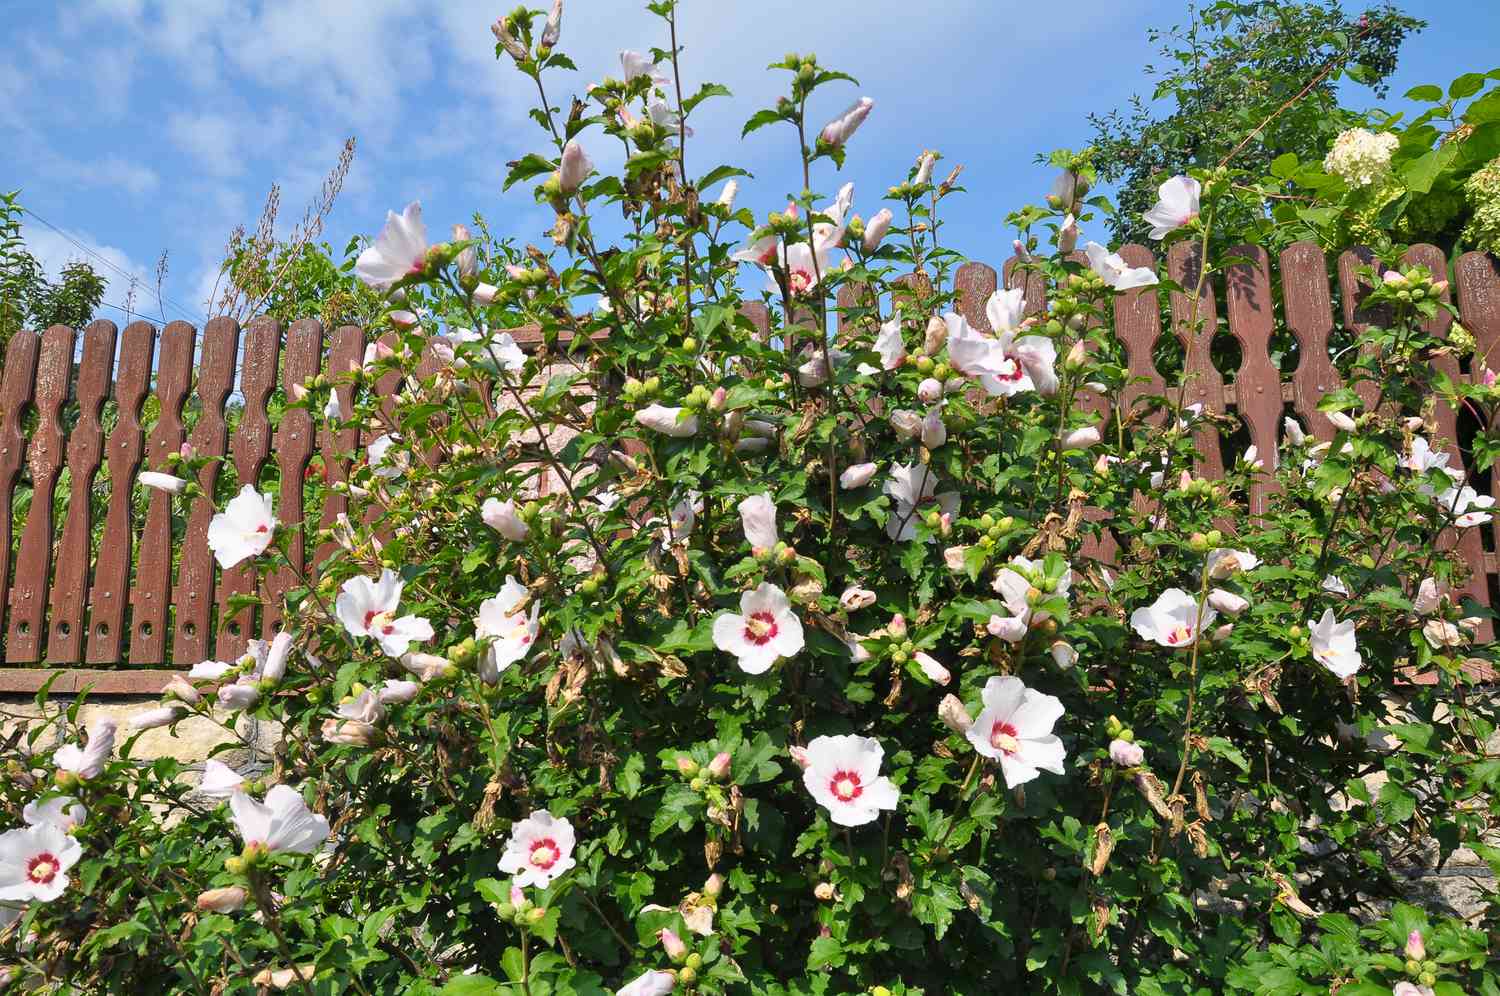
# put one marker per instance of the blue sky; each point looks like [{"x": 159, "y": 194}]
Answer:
[{"x": 138, "y": 126}]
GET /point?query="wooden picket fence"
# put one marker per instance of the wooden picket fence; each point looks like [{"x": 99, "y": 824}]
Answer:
[{"x": 109, "y": 612}]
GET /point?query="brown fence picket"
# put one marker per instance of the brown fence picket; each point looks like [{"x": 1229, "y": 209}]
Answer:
[
  {"x": 337, "y": 445},
  {"x": 851, "y": 298},
  {"x": 108, "y": 596},
  {"x": 1478, "y": 279},
  {"x": 195, "y": 578},
  {"x": 384, "y": 390},
  {"x": 65, "y": 629},
  {"x": 1138, "y": 328},
  {"x": 974, "y": 282},
  {"x": 1470, "y": 542},
  {"x": 1202, "y": 382},
  {"x": 1358, "y": 318},
  {"x": 250, "y": 448},
  {"x": 760, "y": 320},
  {"x": 151, "y": 593},
  {"x": 15, "y": 396},
  {"x": 1257, "y": 384},
  {"x": 294, "y": 448},
  {"x": 44, "y": 457},
  {"x": 1308, "y": 308},
  {"x": 1034, "y": 283}
]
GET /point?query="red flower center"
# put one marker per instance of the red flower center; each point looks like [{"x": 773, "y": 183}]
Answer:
[
  {"x": 760, "y": 628},
  {"x": 1003, "y": 737},
  {"x": 43, "y": 868},
  {"x": 799, "y": 281},
  {"x": 380, "y": 621},
  {"x": 845, "y": 786},
  {"x": 1011, "y": 370},
  {"x": 1179, "y": 634},
  {"x": 544, "y": 853}
]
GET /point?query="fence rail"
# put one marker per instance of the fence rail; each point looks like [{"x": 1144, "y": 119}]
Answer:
[{"x": 121, "y": 609}]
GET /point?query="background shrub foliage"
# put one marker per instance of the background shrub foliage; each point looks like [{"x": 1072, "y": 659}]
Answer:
[{"x": 1246, "y": 847}]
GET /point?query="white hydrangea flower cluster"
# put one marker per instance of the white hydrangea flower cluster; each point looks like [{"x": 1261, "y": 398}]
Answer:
[{"x": 1361, "y": 157}]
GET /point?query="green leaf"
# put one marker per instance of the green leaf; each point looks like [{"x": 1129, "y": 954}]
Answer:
[
  {"x": 1419, "y": 174},
  {"x": 525, "y": 168},
  {"x": 759, "y": 120},
  {"x": 1426, "y": 92},
  {"x": 1466, "y": 85},
  {"x": 706, "y": 91}
]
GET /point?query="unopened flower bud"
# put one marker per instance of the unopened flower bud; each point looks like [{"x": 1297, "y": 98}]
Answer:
[
  {"x": 1416, "y": 949},
  {"x": 824, "y": 891},
  {"x": 686, "y": 765},
  {"x": 1082, "y": 439},
  {"x": 930, "y": 390},
  {"x": 502, "y": 32},
  {"x": 225, "y": 900},
  {"x": 718, "y": 768},
  {"x": 182, "y": 691},
  {"x": 575, "y": 167},
  {"x": 1227, "y": 602},
  {"x": 937, "y": 336},
  {"x": 672, "y": 944},
  {"x": 953, "y": 714},
  {"x": 876, "y": 229},
  {"x": 800, "y": 756},
  {"x": 897, "y": 626},
  {"x": 1126, "y": 754}
]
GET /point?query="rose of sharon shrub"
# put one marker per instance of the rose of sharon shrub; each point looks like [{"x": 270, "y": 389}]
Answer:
[{"x": 797, "y": 676}]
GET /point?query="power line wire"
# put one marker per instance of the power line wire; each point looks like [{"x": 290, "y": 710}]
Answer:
[{"x": 196, "y": 317}]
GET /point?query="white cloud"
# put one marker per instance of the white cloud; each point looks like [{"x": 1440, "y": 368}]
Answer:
[
  {"x": 211, "y": 138},
  {"x": 54, "y": 251}
]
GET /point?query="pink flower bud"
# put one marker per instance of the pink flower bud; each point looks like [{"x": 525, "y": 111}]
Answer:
[
  {"x": 575, "y": 168},
  {"x": 517, "y": 896},
  {"x": 953, "y": 556},
  {"x": 718, "y": 768},
  {"x": 1222, "y": 633},
  {"x": 801, "y": 756},
  {"x": 186, "y": 451},
  {"x": 672, "y": 944},
  {"x": 953, "y": 714},
  {"x": 1416, "y": 950},
  {"x": 718, "y": 399},
  {"x": 714, "y": 886},
  {"x": 1067, "y": 235},
  {"x": 225, "y": 900},
  {"x": 932, "y": 668},
  {"x": 876, "y": 228},
  {"x": 897, "y": 626},
  {"x": 842, "y": 128},
  {"x": 686, "y": 765},
  {"x": 930, "y": 390},
  {"x": 553, "y": 31},
  {"x": 1019, "y": 248},
  {"x": 1125, "y": 754},
  {"x": 1185, "y": 481},
  {"x": 945, "y": 524},
  {"x": 1081, "y": 439},
  {"x": 1227, "y": 602}
]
